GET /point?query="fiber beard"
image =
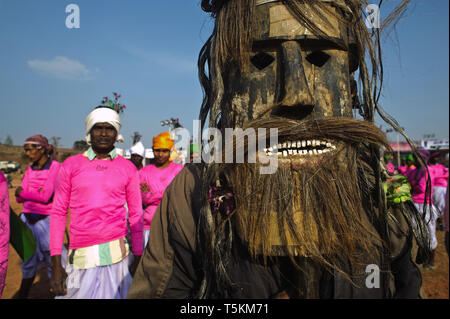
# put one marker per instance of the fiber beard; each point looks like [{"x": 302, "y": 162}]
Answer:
[{"x": 319, "y": 208}]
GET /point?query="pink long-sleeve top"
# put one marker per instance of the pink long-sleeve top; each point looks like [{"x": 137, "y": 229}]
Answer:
[
  {"x": 38, "y": 188},
  {"x": 402, "y": 169},
  {"x": 157, "y": 180},
  {"x": 440, "y": 173},
  {"x": 4, "y": 230},
  {"x": 96, "y": 192},
  {"x": 417, "y": 179}
]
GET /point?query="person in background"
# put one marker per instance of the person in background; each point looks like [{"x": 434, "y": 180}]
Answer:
[
  {"x": 403, "y": 166},
  {"x": 96, "y": 185},
  {"x": 4, "y": 230},
  {"x": 440, "y": 183},
  {"x": 417, "y": 178},
  {"x": 137, "y": 155},
  {"x": 446, "y": 221},
  {"x": 36, "y": 194},
  {"x": 388, "y": 160},
  {"x": 194, "y": 153},
  {"x": 155, "y": 178}
]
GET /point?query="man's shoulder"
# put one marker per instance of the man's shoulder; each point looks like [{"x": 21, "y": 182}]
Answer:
[{"x": 187, "y": 177}]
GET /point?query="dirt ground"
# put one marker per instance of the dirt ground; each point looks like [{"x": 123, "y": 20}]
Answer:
[{"x": 435, "y": 282}]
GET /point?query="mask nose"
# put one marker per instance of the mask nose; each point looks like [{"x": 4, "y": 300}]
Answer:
[{"x": 296, "y": 78}]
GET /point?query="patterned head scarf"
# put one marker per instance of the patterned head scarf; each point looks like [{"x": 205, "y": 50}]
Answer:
[{"x": 40, "y": 140}]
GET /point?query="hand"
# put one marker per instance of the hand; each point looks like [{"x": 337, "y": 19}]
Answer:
[
  {"x": 59, "y": 276},
  {"x": 144, "y": 187},
  {"x": 18, "y": 191},
  {"x": 134, "y": 265}
]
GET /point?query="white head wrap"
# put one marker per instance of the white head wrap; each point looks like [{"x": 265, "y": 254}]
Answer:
[
  {"x": 138, "y": 149},
  {"x": 103, "y": 115}
]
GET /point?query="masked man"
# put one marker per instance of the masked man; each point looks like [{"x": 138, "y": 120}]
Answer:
[
  {"x": 317, "y": 227},
  {"x": 96, "y": 185}
]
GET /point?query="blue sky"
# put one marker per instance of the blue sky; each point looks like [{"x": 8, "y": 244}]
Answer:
[{"x": 51, "y": 77}]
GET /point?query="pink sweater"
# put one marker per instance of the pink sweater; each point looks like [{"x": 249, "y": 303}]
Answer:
[
  {"x": 38, "y": 188},
  {"x": 402, "y": 169},
  {"x": 157, "y": 180},
  {"x": 440, "y": 173},
  {"x": 96, "y": 192},
  {"x": 4, "y": 230},
  {"x": 418, "y": 184}
]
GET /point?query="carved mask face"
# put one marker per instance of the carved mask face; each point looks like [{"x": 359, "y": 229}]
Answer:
[{"x": 303, "y": 76}]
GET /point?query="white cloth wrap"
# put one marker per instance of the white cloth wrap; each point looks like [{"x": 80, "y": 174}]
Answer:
[
  {"x": 138, "y": 149},
  {"x": 103, "y": 115}
]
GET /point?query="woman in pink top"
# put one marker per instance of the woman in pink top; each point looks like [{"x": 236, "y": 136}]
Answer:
[
  {"x": 156, "y": 177},
  {"x": 36, "y": 195},
  {"x": 417, "y": 177},
  {"x": 4, "y": 230},
  {"x": 440, "y": 181}
]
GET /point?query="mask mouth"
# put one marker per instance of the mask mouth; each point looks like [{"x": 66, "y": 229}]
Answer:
[{"x": 300, "y": 148}]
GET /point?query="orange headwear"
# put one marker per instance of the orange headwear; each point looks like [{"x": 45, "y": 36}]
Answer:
[{"x": 163, "y": 141}]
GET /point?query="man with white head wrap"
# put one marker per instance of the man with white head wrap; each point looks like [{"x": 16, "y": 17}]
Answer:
[
  {"x": 96, "y": 185},
  {"x": 104, "y": 115},
  {"x": 137, "y": 154}
]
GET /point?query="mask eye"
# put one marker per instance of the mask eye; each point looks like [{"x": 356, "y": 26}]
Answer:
[
  {"x": 262, "y": 60},
  {"x": 318, "y": 58}
]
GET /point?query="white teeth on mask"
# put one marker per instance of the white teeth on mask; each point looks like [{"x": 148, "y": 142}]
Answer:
[{"x": 300, "y": 148}]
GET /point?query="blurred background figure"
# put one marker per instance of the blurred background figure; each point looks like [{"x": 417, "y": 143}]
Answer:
[
  {"x": 36, "y": 195},
  {"x": 137, "y": 155},
  {"x": 4, "y": 230},
  {"x": 440, "y": 182},
  {"x": 154, "y": 178},
  {"x": 194, "y": 153},
  {"x": 417, "y": 177}
]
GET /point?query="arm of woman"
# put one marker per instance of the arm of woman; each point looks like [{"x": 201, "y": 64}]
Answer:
[
  {"x": 44, "y": 194},
  {"x": 4, "y": 230}
]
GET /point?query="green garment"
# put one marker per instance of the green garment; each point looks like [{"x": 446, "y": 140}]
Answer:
[{"x": 21, "y": 237}]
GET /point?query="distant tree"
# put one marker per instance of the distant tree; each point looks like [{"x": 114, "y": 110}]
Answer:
[
  {"x": 136, "y": 137},
  {"x": 80, "y": 145},
  {"x": 54, "y": 140},
  {"x": 8, "y": 140}
]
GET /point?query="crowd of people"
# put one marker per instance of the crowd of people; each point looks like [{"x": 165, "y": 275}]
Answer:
[
  {"x": 435, "y": 212},
  {"x": 222, "y": 230},
  {"x": 111, "y": 202}
]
